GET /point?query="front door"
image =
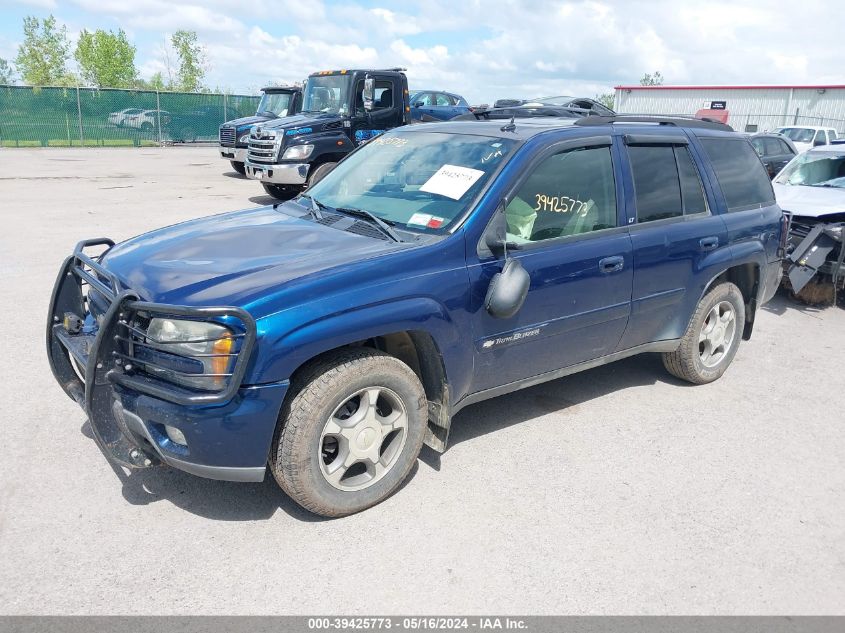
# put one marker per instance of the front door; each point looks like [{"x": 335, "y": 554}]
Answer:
[
  {"x": 386, "y": 113},
  {"x": 563, "y": 215}
]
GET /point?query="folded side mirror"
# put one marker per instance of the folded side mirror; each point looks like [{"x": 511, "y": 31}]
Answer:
[
  {"x": 507, "y": 290},
  {"x": 368, "y": 94}
]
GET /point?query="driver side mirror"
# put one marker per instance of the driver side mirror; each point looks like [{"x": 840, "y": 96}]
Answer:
[
  {"x": 368, "y": 94},
  {"x": 508, "y": 288},
  {"x": 418, "y": 104}
]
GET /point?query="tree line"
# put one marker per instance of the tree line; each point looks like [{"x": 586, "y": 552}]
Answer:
[{"x": 105, "y": 59}]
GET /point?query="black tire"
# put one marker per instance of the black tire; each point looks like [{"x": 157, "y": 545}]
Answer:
[
  {"x": 238, "y": 167},
  {"x": 187, "y": 135},
  {"x": 280, "y": 192},
  {"x": 686, "y": 362},
  {"x": 146, "y": 127},
  {"x": 297, "y": 460},
  {"x": 319, "y": 172}
]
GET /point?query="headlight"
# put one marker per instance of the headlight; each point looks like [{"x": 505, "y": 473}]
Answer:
[
  {"x": 244, "y": 138},
  {"x": 298, "y": 152},
  {"x": 206, "y": 348}
]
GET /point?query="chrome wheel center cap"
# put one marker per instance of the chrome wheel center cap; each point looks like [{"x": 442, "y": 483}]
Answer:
[{"x": 366, "y": 438}]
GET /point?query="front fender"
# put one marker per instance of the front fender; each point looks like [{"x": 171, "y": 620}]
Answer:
[{"x": 281, "y": 356}]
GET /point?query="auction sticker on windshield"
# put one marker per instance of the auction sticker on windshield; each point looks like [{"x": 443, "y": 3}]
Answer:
[{"x": 452, "y": 181}]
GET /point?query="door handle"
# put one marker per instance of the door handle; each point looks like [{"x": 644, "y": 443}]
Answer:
[
  {"x": 611, "y": 264},
  {"x": 708, "y": 243}
]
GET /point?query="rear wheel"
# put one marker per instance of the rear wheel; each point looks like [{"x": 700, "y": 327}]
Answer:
[
  {"x": 712, "y": 337},
  {"x": 280, "y": 192},
  {"x": 238, "y": 167},
  {"x": 351, "y": 433},
  {"x": 187, "y": 135}
]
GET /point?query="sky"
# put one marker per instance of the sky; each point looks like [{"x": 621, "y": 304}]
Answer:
[{"x": 482, "y": 49}]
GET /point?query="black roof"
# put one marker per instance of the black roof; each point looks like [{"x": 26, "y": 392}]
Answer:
[{"x": 280, "y": 89}]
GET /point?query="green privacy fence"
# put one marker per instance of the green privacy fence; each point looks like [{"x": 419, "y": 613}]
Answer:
[{"x": 33, "y": 117}]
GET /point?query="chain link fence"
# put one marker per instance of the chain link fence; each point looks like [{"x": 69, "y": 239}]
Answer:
[{"x": 63, "y": 117}]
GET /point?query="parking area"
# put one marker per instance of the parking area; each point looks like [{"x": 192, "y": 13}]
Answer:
[{"x": 618, "y": 490}]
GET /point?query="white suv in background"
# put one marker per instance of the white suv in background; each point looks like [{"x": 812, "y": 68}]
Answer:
[{"x": 806, "y": 136}]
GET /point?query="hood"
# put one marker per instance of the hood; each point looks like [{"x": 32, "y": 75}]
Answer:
[
  {"x": 234, "y": 259},
  {"x": 317, "y": 122},
  {"x": 808, "y": 201},
  {"x": 244, "y": 123}
]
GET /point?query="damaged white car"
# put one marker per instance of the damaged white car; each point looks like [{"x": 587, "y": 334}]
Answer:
[{"x": 812, "y": 189}]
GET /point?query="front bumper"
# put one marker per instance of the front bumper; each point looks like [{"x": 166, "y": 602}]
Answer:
[
  {"x": 280, "y": 174},
  {"x": 236, "y": 154},
  {"x": 227, "y": 433}
]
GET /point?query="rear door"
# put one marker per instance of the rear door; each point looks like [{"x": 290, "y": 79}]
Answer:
[
  {"x": 675, "y": 237},
  {"x": 778, "y": 154},
  {"x": 752, "y": 216}
]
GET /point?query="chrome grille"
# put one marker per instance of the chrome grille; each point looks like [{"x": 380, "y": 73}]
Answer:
[
  {"x": 227, "y": 136},
  {"x": 263, "y": 149}
]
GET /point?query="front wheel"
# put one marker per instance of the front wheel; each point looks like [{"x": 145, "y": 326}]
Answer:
[
  {"x": 712, "y": 337},
  {"x": 238, "y": 167},
  {"x": 319, "y": 173},
  {"x": 351, "y": 433},
  {"x": 280, "y": 192}
]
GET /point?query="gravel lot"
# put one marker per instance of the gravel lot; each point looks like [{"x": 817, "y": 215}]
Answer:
[{"x": 619, "y": 490}]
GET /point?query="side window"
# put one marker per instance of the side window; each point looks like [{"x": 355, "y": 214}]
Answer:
[
  {"x": 692, "y": 194},
  {"x": 773, "y": 147},
  {"x": 784, "y": 148},
  {"x": 383, "y": 97},
  {"x": 832, "y": 134},
  {"x": 821, "y": 137},
  {"x": 569, "y": 193},
  {"x": 742, "y": 177},
  {"x": 656, "y": 184},
  {"x": 441, "y": 99},
  {"x": 758, "y": 146}
]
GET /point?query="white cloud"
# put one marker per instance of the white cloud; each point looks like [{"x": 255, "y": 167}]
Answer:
[{"x": 486, "y": 49}]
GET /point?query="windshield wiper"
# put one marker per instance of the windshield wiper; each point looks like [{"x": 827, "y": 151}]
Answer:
[
  {"x": 384, "y": 225},
  {"x": 315, "y": 208}
]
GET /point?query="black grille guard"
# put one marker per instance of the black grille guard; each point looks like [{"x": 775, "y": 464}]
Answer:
[{"x": 100, "y": 357}]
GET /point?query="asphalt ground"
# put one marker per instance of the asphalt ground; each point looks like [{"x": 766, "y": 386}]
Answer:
[{"x": 616, "y": 491}]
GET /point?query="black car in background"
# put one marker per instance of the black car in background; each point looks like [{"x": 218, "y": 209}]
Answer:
[
  {"x": 581, "y": 105},
  {"x": 520, "y": 112},
  {"x": 199, "y": 123},
  {"x": 774, "y": 150}
]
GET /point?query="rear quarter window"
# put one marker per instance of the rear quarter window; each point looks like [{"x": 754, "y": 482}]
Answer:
[{"x": 742, "y": 177}]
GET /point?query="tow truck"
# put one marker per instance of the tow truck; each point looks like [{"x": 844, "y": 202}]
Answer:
[
  {"x": 341, "y": 109},
  {"x": 276, "y": 102}
]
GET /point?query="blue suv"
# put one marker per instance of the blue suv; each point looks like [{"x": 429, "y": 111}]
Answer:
[{"x": 438, "y": 265}]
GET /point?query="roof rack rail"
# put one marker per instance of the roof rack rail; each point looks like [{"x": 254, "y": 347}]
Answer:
[{"x": 678, "y": 121}]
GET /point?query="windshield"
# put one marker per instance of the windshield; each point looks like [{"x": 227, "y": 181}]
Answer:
[
  {"x": 326, "y": 93},
  {"x": 420, "y": 181},
  {"x": 276, "y": 103},
  {"x": 815, "y": 170},
  {"x": 798, "y": 134}
]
